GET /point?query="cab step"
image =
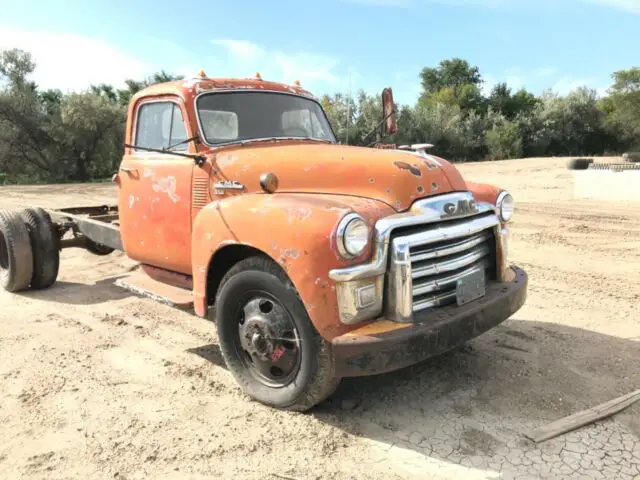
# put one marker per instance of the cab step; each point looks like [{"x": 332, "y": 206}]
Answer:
[{"x": 141, "y": 284}]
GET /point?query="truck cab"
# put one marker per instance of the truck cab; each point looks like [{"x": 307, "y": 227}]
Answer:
[{"x": 316, "y": 260}]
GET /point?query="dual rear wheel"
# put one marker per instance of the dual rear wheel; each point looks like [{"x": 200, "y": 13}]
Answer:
[{"x": 29, "y": 250}]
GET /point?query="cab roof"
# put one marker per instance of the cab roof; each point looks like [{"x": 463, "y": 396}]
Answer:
[{"x": 189, "y": 88}]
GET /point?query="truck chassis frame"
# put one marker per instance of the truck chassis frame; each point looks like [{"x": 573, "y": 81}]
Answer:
[{"x": 94, "y": 228}]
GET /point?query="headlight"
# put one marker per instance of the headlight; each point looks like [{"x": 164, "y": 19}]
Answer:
[
  {"x": 353, "y": 235},
  {"x": 505, "y": 206}
]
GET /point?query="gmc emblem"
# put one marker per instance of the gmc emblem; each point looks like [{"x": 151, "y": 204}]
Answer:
[{"x": 462, "y": 207}]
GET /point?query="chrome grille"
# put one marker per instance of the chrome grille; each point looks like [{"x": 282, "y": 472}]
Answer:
[{"x": 434, "y": 257}]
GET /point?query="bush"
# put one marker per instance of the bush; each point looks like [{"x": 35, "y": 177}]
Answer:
[{"x": 504, "y": 140}]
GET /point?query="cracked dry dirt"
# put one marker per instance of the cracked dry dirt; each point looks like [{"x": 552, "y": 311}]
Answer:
[{"x": 97, "y": 383}]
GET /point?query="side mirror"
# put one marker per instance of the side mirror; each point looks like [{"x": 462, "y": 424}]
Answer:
[{"x": 390, "y": 122}]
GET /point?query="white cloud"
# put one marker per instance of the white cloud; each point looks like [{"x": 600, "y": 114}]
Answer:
[
  {"x": 542, "y": 79},
  {"x": 242, "y": 48},
  {"x": 72, "y": 62},
  {"x": 245, "y": 58},
  {"x": 567, "y": 84},
  {"x": 517, "y": 78},
  {"x": 630, "y": 6}
]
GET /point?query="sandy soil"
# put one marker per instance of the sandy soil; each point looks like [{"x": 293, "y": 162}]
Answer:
[{"x": 97, "y": 383}]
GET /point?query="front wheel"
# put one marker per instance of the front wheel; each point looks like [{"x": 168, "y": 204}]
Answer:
[{"x": 267, "y": 339}]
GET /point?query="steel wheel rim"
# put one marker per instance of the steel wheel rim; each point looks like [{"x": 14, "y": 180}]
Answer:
[{"x": 266, "y": 339}]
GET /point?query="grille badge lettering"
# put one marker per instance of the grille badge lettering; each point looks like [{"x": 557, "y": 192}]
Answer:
[{"x": 460, "y": 208}]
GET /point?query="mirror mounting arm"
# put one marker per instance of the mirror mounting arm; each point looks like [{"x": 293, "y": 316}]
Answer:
[{"x": 375, "y": 129}]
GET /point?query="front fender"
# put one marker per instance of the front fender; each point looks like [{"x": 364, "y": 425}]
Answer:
[
  {"x": 298, "y": 231},
  {"x": 484, "y": 192}
]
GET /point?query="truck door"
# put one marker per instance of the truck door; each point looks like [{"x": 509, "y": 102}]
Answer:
[{"x": 154, "y": 201}]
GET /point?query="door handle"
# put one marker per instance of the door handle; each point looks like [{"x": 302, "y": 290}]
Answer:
[{"x": 127, "y": 169}]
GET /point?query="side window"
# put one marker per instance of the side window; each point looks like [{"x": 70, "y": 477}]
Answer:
[{"x": 160, "y": 125}]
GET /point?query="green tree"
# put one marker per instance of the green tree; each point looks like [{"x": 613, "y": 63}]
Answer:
[
  {"x": 504, "y": 141},
  {"x": 510, "y": 105},
  {"x": 453, "y": 73},
  {"x": 623, "y": 107},
  {"x": 47, "y": 135},
  {"x": 453, "y": 81}
]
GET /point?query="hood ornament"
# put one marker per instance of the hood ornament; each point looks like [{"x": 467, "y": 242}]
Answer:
[{"x": 419, "y": 148}]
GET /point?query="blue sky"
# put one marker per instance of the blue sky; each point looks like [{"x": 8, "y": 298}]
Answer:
[{"x": 537, "y": 44}]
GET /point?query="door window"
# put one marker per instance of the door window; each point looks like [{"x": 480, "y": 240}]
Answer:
[{"x": 160, "y": 125}]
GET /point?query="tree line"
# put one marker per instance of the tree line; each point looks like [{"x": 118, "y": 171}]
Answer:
[{"x": 49, "y": 136}]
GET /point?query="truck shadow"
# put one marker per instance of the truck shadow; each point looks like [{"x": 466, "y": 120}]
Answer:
[
  {"x": 74, "y": 293},
  {"x": 470, "y": 407},
  {"x": 211, "y": 353}
]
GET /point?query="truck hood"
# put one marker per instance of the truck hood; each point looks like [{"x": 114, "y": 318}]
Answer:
[{"x": 394, "y": 177}]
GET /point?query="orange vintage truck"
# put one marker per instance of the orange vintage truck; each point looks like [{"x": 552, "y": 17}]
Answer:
[{"x": 316, "y": 260}]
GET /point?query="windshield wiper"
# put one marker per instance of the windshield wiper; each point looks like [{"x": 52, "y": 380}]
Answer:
[
  {"x": 195, "y": 137},
  {"x": 273, "y": 139},
  {"x": 199, "y": 159}
]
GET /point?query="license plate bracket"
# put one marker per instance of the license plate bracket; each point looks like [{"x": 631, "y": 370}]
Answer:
[{"x": 470, "y": 287}]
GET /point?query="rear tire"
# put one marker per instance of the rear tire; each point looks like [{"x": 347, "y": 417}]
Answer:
[
  {"x": 282, "y": 330},
  {"x": 98, "y": 249},
  {"x": 16, "y": 256},
  {"x": 579, "y": 163},
  {"x": 45, "y": 246}
]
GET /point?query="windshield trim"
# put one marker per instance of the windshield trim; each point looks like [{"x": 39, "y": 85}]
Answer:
[{"x": 203, "y": 138}]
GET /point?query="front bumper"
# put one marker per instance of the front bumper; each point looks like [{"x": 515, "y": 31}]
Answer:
[{"x": 386, "y": 346}]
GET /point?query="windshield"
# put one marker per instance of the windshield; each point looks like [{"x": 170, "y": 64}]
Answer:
[{"x": 227, "y": 117}]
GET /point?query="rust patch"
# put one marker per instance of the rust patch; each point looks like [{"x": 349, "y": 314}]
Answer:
[
  {"x": 429, "y": 165},
  {"x": 289, "y": 253},
  {"x": 412, "y": 168},
  {"x": 166, "y": 185},
  {"x": 376, "y": 328},
  {"x": 297, "y": 214}
]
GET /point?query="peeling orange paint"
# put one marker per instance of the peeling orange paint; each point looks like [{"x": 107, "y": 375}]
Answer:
[
  {"x": 484, "y": 192},
  {"x": 307, "y": 263}
]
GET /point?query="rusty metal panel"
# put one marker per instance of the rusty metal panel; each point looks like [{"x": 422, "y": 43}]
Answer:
[{"x": 296, "y": 231}]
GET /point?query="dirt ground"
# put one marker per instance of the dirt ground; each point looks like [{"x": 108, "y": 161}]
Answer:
[{"x": 98, "y": 383}]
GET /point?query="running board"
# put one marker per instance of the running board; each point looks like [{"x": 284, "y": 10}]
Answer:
[{"x": 141, "y": 284}]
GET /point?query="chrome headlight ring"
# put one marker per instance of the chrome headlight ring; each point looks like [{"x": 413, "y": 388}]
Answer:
[
  {"x": 505, "y": 207},
  {"x": 352, "y": 235}
]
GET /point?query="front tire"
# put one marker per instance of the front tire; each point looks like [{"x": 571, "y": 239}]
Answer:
[{"x": 267, "y": 339}]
